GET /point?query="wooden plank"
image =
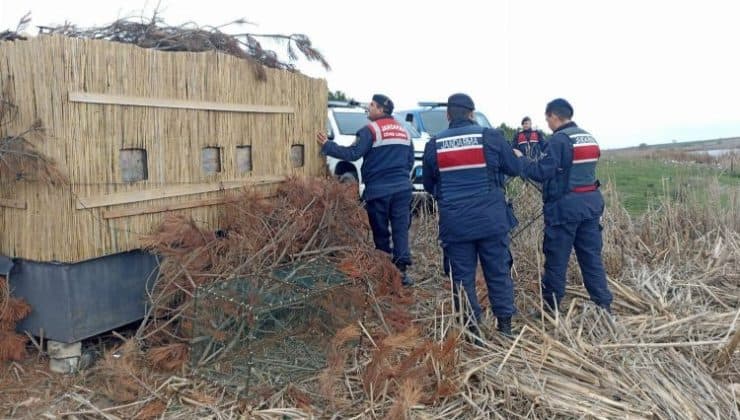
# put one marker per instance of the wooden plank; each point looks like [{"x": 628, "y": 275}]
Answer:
[
  {"x": 171, "y": 191},
  {"x": 106, "y": 99},
  {"x": 113, "y": 214},
  {"x": 16, "y": 204}
]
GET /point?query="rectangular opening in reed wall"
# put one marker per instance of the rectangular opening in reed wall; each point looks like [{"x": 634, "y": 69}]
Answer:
[
  {"x": 296, "y": 155},
  {"x": 133, "y": 163},
  {"x": 210, "y": 159},
  {"x": 243, "y": 159}
]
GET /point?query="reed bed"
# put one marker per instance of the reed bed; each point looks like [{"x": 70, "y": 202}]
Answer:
[{"x": 669, "y": 350}]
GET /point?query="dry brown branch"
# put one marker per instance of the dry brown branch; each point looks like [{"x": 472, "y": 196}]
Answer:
[
  {"x": 12, "y": 310},
  {"x": 156, "y": 34},
  {"x": 168, "y": 357},
  {"x": 12, "y": 346},
  {"x": 151, "y": 411},
  {"x": 19, "y": 157},
  {"x": 404, "y": 352},
  {"x": 117, "y": 372},
  {"x": 15, "y": 34}
]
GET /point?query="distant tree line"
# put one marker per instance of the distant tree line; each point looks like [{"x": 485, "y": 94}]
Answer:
[
  {"x": 509, "y": 132},
  {"x": 338, "y": 95}
]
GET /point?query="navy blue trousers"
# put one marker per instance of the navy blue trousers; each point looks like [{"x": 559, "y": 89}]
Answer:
[
  {"x": 495, "y": 260},
  {"x": 390, "y": 218},
  {"x": 559, "y": 240}
]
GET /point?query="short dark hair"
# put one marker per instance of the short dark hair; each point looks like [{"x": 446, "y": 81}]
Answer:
[
  {"x": 458, "y": 113},
  {"x": 525, "y": 119},
  {"x": 384, "y": 103},
  {"x": 561, "y": 108}
]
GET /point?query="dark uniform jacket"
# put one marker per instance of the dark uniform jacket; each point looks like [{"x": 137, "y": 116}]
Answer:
[
  {"x": 464, "y": 167},
  {"x": 567, "y": 171},
  {"x": 529, "y": 142},
  {"x": 388, "y": 156}
]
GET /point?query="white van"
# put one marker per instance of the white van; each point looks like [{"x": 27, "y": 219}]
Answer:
[{"x": 344, "y": 119}]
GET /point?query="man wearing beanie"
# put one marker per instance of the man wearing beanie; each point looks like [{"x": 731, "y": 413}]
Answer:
[
  {"x": 573, "y": 206},
  {"x": 388, "y": 156},
  {"x": 464, "y": 167},
  {"x": 528, "y": 141}
]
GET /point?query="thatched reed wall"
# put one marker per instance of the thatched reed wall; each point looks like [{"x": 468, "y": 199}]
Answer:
[{"x": 95, "y": 98}]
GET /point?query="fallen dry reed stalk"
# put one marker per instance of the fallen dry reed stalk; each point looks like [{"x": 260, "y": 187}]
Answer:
[{"x": 667, "y": 352}]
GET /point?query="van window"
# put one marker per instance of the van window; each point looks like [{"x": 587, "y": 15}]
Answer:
[
  {"x": 410, "y": 128},
  {"x": 482, "y": 120},
  {"x": 435, "y": 120},
  {"x": 349, "y": 123}
]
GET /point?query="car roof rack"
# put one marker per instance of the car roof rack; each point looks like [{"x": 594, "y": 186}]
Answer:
[
  {"x": 343, "y": 104},
  {"x": 433, "y": 104}
]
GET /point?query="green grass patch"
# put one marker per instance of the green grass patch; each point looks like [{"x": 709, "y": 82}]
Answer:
[{"x": 644, "y": 182}]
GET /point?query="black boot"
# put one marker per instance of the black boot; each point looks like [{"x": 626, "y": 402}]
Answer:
[
  {"x": 504, "y": 326},
  {"x": 406, "y": 281},
  {"x": 475, "y": 332},
  {"x": 606, "y": 308}
]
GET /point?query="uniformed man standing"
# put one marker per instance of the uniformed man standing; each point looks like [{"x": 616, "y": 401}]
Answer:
[
  {"x": 388, "y": 156},
  {"x": 464, "y": 166},
  {"x": 573, "y": 206},
  {"x": 528, "y": 141}
]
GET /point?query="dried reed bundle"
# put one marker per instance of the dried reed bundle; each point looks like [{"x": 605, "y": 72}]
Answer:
[
  {"x": 670, "y": 350},
  {"x": 674, "y": 277},
  {"x": 154, "y": 33}
]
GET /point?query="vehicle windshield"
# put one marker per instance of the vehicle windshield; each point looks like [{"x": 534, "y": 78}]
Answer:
[
  {"x": 349, "y": 123},
  {"x": 435, "y": 120},
  {"x": 410, "y": 128},
  {"x": 482, "y": 120}
]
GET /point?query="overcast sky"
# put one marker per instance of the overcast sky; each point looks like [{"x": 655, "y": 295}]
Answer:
[{"x": 635, "y": 71}]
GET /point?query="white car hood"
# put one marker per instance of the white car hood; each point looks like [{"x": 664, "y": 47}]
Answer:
[{"x": 419, "y": 144}]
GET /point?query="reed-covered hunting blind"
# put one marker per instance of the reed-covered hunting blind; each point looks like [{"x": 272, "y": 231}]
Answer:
[{"x": 137, "y": 133}]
